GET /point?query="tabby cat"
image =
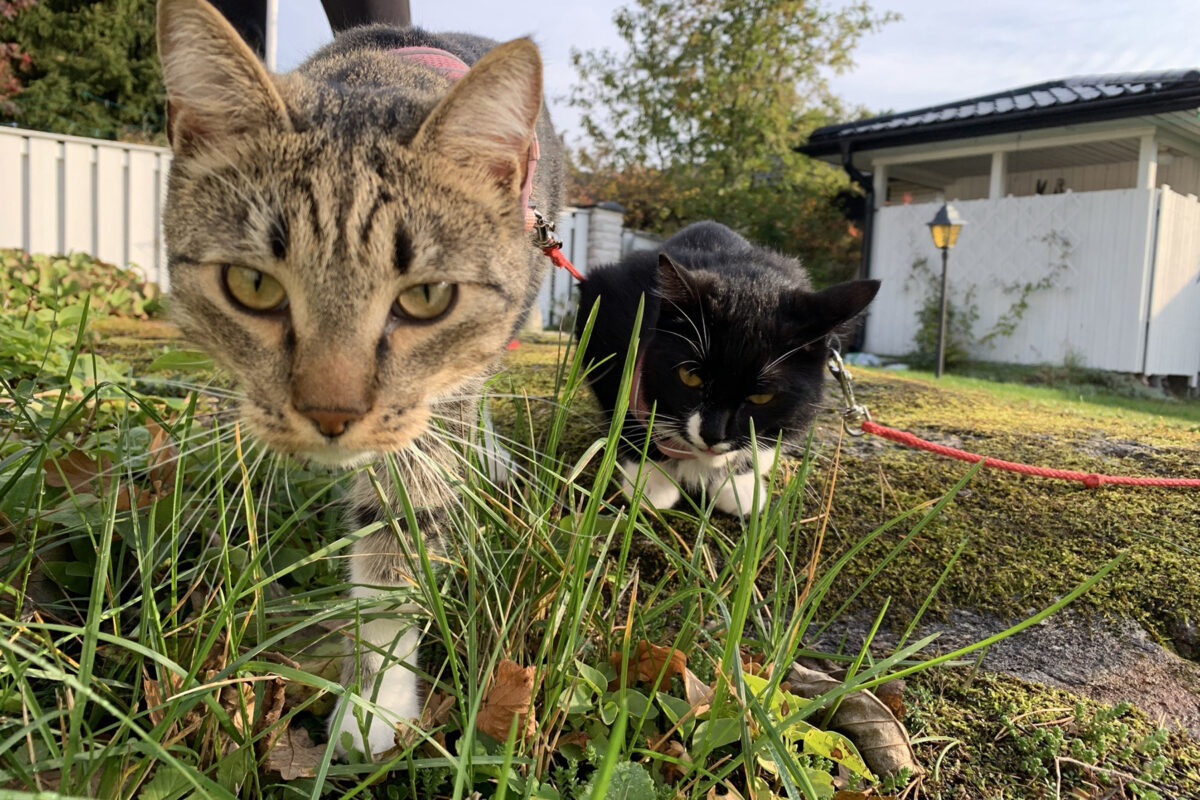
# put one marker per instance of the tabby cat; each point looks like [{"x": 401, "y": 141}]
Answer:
[
  {"x": 350, "y": 240},
  {"x": 732, "y": 339}
]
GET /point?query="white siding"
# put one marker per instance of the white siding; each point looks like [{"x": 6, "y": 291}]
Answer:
[
  {"x": 64, "y": 193},
  {"x": 1173, "y": 346},
  {"x": 1096, "y": 310}
]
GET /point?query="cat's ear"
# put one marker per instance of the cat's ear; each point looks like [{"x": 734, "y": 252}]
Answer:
[
  {"x": 487, "y": 119},
  {"x": 673, "y": 283},
  {"x": 827, "y": 309},
  {"x": 216, "y": 86}
]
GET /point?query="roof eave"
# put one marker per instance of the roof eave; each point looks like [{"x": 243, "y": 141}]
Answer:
[{"x": 1095, "y": 111}]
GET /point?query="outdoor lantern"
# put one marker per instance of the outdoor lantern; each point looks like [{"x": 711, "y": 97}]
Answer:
[{"x": 944, "y": 228}]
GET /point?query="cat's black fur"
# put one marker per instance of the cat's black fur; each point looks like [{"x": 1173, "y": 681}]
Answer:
[{"x": 744, "y": 318}]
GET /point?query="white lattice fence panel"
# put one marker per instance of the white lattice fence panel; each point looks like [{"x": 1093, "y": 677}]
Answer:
[
  {"x": 1091, "y": 248},
  {"x": 1173, "y": 346}
]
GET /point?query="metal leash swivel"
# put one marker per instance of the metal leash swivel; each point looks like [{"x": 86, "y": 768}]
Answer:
[
  {"x": 543, "y": 231},
  {"x": 854, "y": 414}
]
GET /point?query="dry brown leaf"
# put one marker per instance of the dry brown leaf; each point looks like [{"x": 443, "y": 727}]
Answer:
[
  {"x": 78, "y": 470},
  {"x": 650, "y": 660},
  {"x": 437, "y": 709},
  {"x": 510, "y": 694},
  {"x": 274, "y": 695},
  {"x": 238, "y": 702},
  {"x": 673, "y": 772},
  {"x": 164, "y": 456},
  {"x": 892, "y": 695},
  {"x": 880, "y": 738},
  {"x": 698, "y": 693},
  {"x": 577, "y": 738},
  {"x": 294, "y": 755},
  {"x": 154, "y": 698}
]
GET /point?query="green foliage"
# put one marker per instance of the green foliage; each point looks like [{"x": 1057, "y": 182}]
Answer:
[
  {"x": 92, "y": 69},
  {"x": 14, "y": 62},
  {"x": 57, "y": 282},
  {"x": 630, "y": 781},
  {"x": 961, "y": 316},
  {"x": 697, "y": 116},
  {"x": 1007, "y": 323}
]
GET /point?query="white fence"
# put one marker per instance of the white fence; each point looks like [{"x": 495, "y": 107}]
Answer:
[
  {"x": 1173, "y": 340},
  {"x": 1118, "y": 268},
  {"x": 62, "y": 193}
]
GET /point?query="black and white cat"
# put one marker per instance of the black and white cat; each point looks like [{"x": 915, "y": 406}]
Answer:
[{"x": 732, "y": 336}]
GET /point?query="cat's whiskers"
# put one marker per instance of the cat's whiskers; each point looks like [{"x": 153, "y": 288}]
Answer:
[
  {"x": 702, "y": 338},
  {"x": 793, "y": 351},
  {"x": 696, "y": 347}
]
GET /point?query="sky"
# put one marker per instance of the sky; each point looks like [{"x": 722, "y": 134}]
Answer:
[{"x": 941, "y": 50}]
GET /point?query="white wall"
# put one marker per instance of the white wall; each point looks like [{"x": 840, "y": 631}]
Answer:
[
  {"x": 62, "y": 193},
  {"x": 1173, "y": 346},
  {"x": 1096, "y": 310}
]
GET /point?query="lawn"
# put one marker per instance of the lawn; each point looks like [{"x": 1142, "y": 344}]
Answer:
[{"x": 174, "y": 609}]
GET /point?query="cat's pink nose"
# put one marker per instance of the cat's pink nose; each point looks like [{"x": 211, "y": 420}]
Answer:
[{"x": 332, "y": 422}]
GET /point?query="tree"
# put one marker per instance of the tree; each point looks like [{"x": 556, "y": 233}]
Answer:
[
  {"x": 698, "y": 116},
  {"x": 14, "y": 62},
  {"x": 87, "y": 68}
]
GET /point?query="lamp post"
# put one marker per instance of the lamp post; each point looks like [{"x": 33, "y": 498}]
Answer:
[{"x": 944, "y": 228}]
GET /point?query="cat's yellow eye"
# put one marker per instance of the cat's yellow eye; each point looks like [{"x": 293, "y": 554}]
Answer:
[
  {"x": 253, "y": 289},
  {"x": 761, "y": 399},
  {"x": 690, "y": 378},
  {"x": 425, "y": 301}
]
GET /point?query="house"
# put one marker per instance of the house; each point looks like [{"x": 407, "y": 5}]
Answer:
[{"x": 1082, "y": 241}]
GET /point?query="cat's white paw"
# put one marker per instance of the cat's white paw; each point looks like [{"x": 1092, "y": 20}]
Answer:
[
  {"x": 739, "y": 493},
  {"x": 658, "y": 488},
  {"x": 397, "y": 700}
]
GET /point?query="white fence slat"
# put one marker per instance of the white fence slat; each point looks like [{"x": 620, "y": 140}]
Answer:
[
  {"x": 110, "y": 210},
  {"x": 143, "y": 212},
  {"x": 78, "y": 197},
  {"x": 12, "y": 191},
  {"x": 1173, "y": 346},
  {"x": 43, "y": 195}
]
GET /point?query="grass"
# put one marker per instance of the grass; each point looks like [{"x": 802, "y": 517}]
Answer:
[
  {"x": 1083, "y": 392},
  {"x": 174, "y": 610}
]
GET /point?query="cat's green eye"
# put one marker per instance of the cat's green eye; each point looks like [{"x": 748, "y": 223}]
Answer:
[
  {"x": 761, "y": 399},
  {"x": 690, "y": 378},
  {"x": 253, "y": 289},
  {"x": 425, "y": 301}
]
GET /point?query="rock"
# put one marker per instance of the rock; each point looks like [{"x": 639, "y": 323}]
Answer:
[{"x": 1111, "y": 661}]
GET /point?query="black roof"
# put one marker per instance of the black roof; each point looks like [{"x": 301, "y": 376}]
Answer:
[{"x": 1087, "y": 98}]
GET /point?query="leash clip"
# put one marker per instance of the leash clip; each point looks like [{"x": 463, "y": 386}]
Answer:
[
  {"x": 854, "y": 414},
  {"x": 543, "y": 232}
]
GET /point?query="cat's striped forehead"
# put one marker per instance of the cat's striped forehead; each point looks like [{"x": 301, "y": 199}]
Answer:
[{"x": 340, "y": 222}]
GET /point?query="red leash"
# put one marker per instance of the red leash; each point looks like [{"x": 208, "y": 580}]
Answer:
[
  {"x": 858, "y": 413},
  {"x": 1088, "y": 479}
]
